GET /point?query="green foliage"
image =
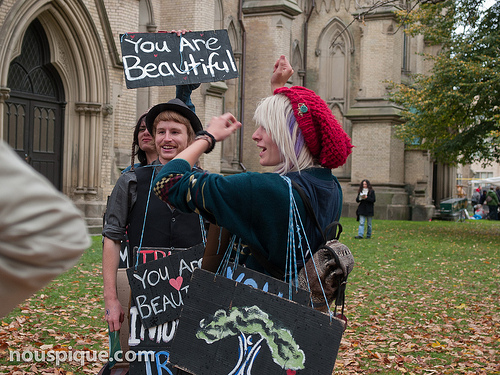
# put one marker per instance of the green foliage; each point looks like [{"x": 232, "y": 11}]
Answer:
[{"x": 455, "y": 110}]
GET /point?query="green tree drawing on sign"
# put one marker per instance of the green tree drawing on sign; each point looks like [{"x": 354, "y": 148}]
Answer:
[{"x": 253, "y": 327}]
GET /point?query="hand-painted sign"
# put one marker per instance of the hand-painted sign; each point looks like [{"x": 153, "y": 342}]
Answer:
[
  {"x": 149, "y": 254},
  {"x": 159, "y": 287},
  {"x": 164, "y": 59},
  {"x": 268, "y": 284},
  {"x": 151, "y": 346},
  {"x": 230, "y": 328},
  {"x": 151, "y": 361}
]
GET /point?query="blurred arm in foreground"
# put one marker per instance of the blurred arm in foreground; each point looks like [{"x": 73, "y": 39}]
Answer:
[{"x": 42, "y": 234}]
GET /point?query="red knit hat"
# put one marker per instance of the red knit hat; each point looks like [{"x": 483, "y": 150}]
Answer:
[{"x": 323, "y": 134}]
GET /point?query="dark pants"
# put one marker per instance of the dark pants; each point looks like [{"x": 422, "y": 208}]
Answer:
[{"x": 493, "y": 214}]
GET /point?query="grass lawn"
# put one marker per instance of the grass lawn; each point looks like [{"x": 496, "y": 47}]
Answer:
[{"x": 423, "y": 298}]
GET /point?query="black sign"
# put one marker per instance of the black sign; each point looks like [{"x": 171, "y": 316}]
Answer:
[
  {"x": 267, "y": 284},
  {"x": 149, "y": 254},
  {"x": 151, "y": 361},
  {"x": 159, "y": 287},
  {"x": 227, "y": 327},
  {"x": 165, "y": 59}
]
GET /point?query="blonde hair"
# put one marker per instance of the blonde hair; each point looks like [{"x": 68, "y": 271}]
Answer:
[
  {"x": 175, "y": 117},
  {"x": 275, "y": 115}
]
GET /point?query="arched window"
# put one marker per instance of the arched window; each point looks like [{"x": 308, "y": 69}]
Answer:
[
  {"x": 335, "y": 46},
  {"x": 334, "y": 49},
  {"x": 297, "y": 63},
  {"x": 218, "y": 15}
]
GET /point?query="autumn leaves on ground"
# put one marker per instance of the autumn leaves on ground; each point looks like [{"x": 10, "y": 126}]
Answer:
[{"x": 424, "y": 298}]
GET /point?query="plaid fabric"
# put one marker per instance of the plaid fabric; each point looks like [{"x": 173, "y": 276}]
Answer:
[{"x": 163, "y": 186}]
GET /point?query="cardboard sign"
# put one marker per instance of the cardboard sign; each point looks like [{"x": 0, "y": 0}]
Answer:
[
  {"x": 159, "y": 336},
  {"x": 267, "y": 284},
  {"x": 230, "y": 328},
  {"x": 151, "y": 346},
  {"x": 149, "y": 254},
  {"x": 150, "y": 361},
  {"x": 159, "y": 287},
  {"x": 165, "y": 59}
]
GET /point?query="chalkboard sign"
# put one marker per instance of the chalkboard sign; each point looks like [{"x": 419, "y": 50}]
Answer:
[
  {"x": 267, "y": 284},
  {"x": 159, "y": 336},
  {"x": 159, "y": 287},
  {"x": 165, "y": 59},
  {"x": 149, "y": 254},
  {"x": 150, "y": 361},
  {"x": 227, "y": 327},
  {"x": 151, "y": 346}
]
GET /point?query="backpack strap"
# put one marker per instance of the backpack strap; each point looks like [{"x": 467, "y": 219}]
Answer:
[{"x": 332, "y": 231}]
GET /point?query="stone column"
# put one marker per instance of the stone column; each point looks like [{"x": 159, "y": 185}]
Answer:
[
  {"x": 89, "y": 159},
  {"x": 4, "y": 95},
  {"x": 378, "y": 156},
  {"x": 268, "y": 24}
]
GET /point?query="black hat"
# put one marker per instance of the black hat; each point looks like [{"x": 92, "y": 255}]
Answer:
[{"x": 174, "y": 105}]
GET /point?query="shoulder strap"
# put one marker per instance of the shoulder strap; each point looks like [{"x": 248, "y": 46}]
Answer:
[{"x": 332, "y": 231}]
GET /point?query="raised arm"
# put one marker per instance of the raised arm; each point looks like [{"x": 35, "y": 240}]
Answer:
[
  {"x": 281, "y": 73},
  {"x": 219, "y": 127}
]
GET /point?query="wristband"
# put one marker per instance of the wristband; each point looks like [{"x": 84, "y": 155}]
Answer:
[{"x": 203, "y": 134}]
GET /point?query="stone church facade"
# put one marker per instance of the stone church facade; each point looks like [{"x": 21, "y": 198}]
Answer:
[{"x": 65, "y": 108}]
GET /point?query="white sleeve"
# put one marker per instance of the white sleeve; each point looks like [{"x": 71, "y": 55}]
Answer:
[{"x": 42, "y": 233}]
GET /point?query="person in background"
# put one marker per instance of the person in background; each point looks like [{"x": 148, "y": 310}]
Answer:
[
  {"x": 366, "y": 200},
  {"x": 492, "y": 202},
  {"x": 42, "y": 234},
  {"x": 174, "y": 126},
  {"x": 476, "y": 196},
  {"x": 497, "y": 191},
  {"x": 483, "y": 197}
]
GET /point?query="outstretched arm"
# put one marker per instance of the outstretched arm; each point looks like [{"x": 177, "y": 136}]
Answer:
[
  {"x": 281, "y": 73},
  {"x": 220, "y": 127}
]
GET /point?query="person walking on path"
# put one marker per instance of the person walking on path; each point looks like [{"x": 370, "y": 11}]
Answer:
[{"x": 366, "y": 200}]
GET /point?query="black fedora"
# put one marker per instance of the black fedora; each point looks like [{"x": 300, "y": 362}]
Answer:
[{"x": 174, "y": 105}]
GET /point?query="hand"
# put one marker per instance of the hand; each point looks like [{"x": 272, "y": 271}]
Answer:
[
  {"x": 281, "y": 73},
  {"x": 178, "y": 32},
  {"x": 223, "y": 126},
  {"x": 114, "y": 315}
]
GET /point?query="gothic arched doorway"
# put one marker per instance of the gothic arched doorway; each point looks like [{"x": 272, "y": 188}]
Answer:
[{"x": 33, "y": 123}]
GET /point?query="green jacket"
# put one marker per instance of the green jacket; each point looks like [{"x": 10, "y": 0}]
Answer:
[
  {"x": 494, "y": 198},
  {"x": 254, "y": 206}
]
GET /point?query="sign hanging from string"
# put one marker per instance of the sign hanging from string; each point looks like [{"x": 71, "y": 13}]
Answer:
[{"x": 165, "y": 59}]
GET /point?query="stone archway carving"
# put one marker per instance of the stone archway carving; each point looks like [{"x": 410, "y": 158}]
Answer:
[
  {"x": 80, "y": 62},
  {"x": 334, "y": 49}
]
